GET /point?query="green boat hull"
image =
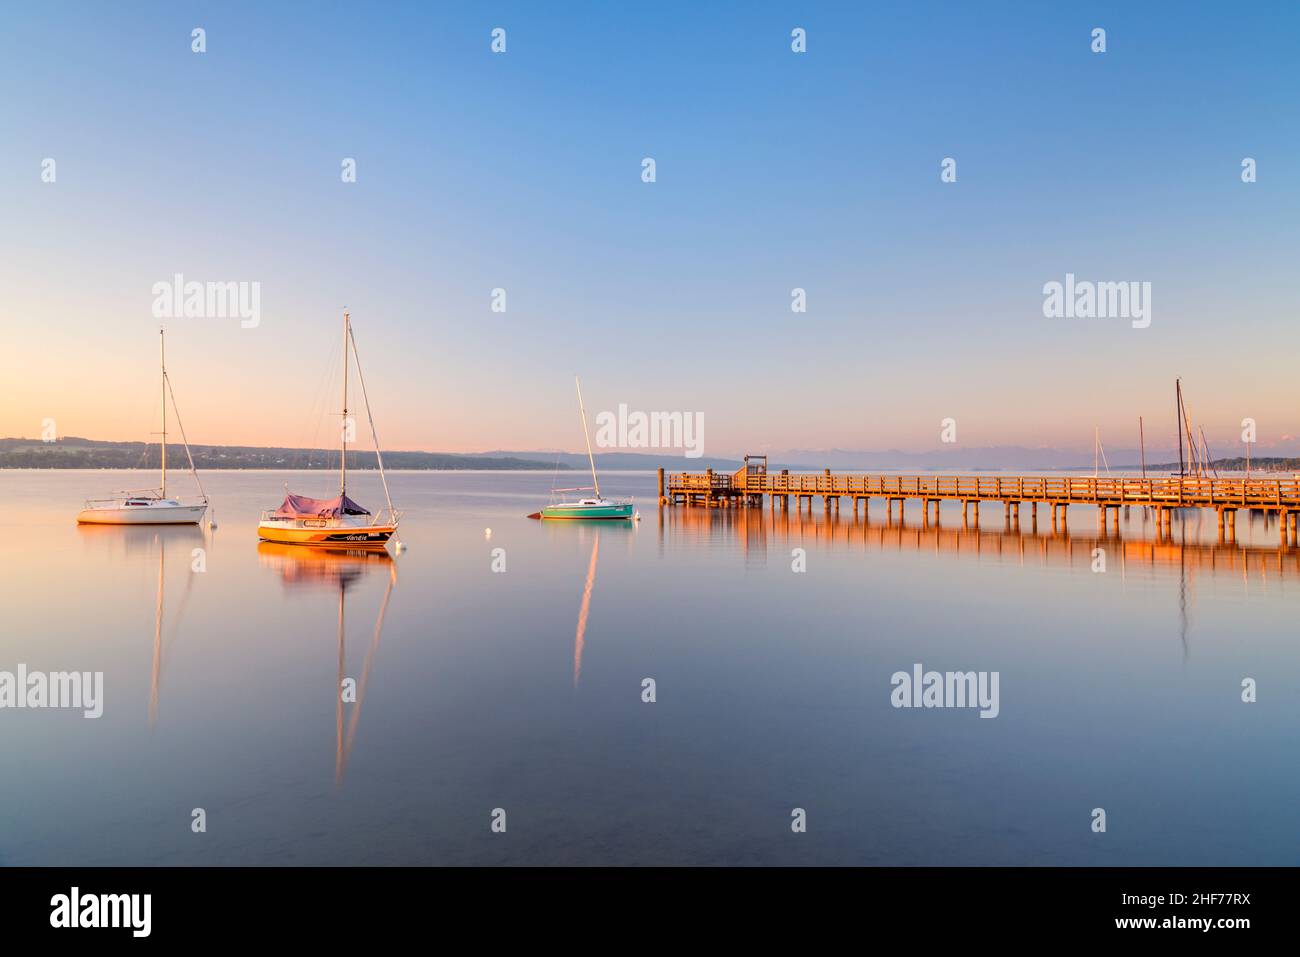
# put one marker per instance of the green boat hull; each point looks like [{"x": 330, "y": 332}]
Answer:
[{"x": 612, "y": 511}]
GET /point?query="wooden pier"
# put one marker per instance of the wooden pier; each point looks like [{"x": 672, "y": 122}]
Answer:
[{"x": 748, "y": 486}]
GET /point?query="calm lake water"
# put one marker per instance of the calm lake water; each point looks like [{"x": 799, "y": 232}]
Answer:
[{"x": 522, "y": 689}]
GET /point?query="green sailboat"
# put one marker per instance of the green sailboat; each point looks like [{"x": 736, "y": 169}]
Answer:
[{"x": 587, "y": 509}]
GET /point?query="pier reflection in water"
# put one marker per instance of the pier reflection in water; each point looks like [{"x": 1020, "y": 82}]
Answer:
[
  {"x": 1185, "y": 548},
  {"x": 1140, "y": 545}
]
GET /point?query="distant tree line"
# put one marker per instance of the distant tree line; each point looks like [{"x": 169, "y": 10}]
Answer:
[
  {"x": 1263, "y": 464},
  {"x": 74, "y": 453}
]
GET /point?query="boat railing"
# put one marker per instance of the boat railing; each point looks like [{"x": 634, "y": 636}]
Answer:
[
  {"x": 126, "y": 493},
  {"x": 394, "y": 516},
  {"x": 122, "y": 495}
]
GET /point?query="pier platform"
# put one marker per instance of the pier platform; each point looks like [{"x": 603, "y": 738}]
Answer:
[{"x": 751, "y": 485}]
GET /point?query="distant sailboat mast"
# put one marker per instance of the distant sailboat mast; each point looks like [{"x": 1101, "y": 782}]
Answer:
[
  {"x": 162, "y": 364},
  {"x": 1207, "y": 458},
  {"x": 1142, "y": 444},
  {"x": 1196, "y": 460},
  {"x": 1098, "y": 453},
  {"x": 582, "y": 413},
  {"x": 1178, "y": 410}
]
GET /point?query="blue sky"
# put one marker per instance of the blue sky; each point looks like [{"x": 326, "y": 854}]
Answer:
[{"x": 775, "y": 170}]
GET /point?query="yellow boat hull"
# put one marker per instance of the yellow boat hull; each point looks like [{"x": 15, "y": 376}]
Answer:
[{"x": 351, "y": 536}]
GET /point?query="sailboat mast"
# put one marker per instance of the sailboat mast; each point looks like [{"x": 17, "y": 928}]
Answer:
[
  {"x": 1193, "y": 449},
  {"x": 162, "y": 364},
  {"x": 1142, "y": 444},
  {"x": 1178, "y": 410},
  {"x": 343, "y": 432},
  {"x": 582, "y": 413}
]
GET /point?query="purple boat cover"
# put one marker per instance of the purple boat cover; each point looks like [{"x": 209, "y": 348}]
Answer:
[{"x": 300, "y": 506}]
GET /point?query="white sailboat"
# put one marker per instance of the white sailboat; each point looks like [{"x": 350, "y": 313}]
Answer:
[{"x": 151, "y": 506}]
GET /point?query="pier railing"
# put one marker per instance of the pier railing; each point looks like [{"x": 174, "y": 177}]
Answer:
[{"x": 1282, "y": 494}]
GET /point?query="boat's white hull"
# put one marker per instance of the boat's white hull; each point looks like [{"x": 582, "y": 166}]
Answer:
[{"x": 143, "y": 515}]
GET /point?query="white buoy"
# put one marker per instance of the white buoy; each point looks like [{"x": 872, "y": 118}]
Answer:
[
  {"x": 212, "y": 518},
  {"x": 400, "y": 547},
  {"x": 487, "y": 533}
]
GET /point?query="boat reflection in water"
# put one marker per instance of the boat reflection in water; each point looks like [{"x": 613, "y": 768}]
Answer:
[
  {"x": 336, "y": 571},
  {"x": 135, "y": 541},
  {"x": 579, "y": 638},
  {"x": 621, "y": 531},
  {"x": 139, "y": 541}
]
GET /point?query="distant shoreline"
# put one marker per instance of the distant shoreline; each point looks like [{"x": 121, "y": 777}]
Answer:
[
  {"x": 548, "y": 470},
  {"x": 78, "y": 453},
  {"x": 74, "y": 453}
]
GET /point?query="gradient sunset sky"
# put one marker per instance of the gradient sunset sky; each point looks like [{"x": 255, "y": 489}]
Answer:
[{"x": 775, "y": 170}]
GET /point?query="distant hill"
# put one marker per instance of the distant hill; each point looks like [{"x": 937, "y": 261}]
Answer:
[
  {"x": 629, "y": 461},
  {"x": 78, "y": 453}
]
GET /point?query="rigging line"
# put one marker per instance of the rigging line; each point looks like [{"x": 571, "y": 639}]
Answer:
[
  {"x": 314, "y": 414},
  {"x": 1208, "y": 460},
  {"x": 184, "y": 441},
  {"x": 326, "y": 373},
  {"x": 315, "y": 411},
  {"x": 369, "y": 415},
  {"x": 1193, "y": 451}
]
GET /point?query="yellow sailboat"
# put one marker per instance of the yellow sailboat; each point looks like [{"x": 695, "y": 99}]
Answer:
[{"x": 337, "y": 522}]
